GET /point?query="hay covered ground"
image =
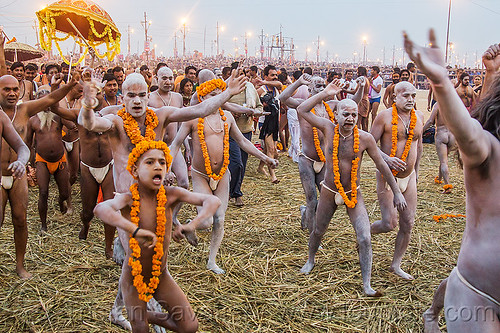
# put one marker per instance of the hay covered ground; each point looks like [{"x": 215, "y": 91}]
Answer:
[{"x": 74, "y": 286}]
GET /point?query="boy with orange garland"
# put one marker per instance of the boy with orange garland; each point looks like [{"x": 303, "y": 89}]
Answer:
[
  {"x": 345, "y": 145},
  {"x": 209, "y": 174},
  {"x": 146, "y": 215}
]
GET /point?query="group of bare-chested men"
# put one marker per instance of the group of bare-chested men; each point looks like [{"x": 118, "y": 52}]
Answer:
[{"x": 330, "y": 160}]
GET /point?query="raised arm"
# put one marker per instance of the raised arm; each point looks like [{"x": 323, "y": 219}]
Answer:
[
  {"x": 87, "y": 117},
  {"x": 109, "y": 212},
  {"x": 386, "y": 97},
  {"x": 304, "y": 109},
  {"x": 18, "y": 167},
  {"x": 359, "y": 89},
  {"x": 37, "y": 105},
  {"x": 3, "y": 66},
  {"x": 491, "y": 61},
  {"x": 471, "y": 138},
  {"x": 235, "y": 85},
  {"x": 374, "y": 153},
  {"x": 64, "y": 113},
  {"x": 286, "y": 96}
]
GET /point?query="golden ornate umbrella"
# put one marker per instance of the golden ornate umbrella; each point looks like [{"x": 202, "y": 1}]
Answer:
[
  {"x": 85, "y": 21},
  {"x": 16, "y": 51}
]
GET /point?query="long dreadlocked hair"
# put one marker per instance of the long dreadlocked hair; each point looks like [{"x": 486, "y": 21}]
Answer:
[{"x": 487, "y": 111}]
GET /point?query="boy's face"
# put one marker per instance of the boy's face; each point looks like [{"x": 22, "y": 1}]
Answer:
[{"x": 150, "y": 169}]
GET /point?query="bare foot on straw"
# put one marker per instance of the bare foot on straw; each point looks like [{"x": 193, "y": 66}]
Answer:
[
  {"x": 116, "y": 317},
  {"x": 216, "y": 269},
  {"x": 400, "y": 272},
  {"x": 23, "y": 273},
  {"x": 447, "y": 191},
  {"x": 431, "y": 322},
  {"x": 275, "y": 181},
  {"x": 307, "y": 268},
  {"x": 239, "y": 202},
  {"x": 370, "y": 292}
]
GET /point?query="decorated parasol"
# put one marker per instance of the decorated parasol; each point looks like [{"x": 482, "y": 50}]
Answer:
[
  {"x": 85, "y": 21},
  {"x": 16, "y": 51}
]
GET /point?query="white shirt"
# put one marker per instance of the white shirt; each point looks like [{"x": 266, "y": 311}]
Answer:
[{"x": 377, "y": 82}]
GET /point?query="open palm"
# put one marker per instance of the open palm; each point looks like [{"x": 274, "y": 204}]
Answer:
[{"x": 429, "y": 60}]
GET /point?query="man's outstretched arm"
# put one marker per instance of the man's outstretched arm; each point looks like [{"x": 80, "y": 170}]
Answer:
[
  {"x": 286, "y": 95},
  {"x": 471, "y": 138},
  {"x": 235, "y": 85}
]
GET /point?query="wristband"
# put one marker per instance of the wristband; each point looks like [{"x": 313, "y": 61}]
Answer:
[{"x": 135, "y": 232}]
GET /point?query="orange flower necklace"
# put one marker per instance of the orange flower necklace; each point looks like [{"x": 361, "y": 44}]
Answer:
[
  {"x": 146, "y": 291},
  {"x": 132, "y": 127},
  {"x": 317, "y": 144},
  {"x": 354, "y": 169},
  {"x": 204, "y": 89},
  {"x": 394, "y": 140}
]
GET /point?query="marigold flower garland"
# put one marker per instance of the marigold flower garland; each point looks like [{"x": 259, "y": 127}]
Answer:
[
  {"x": 354, "y": 168},
  {"x": 144, "y": 146},
  {"x": 146, "y": 291},
  {"x": 207, "y": 87},
  {"x": 437, "y": 181},
  {"x": 447, "y": 187},
  {"x": 317, "y": 144},
  {"x": 445, "y": 216},
  {"x": 132, "y": 127},
  {"x": 394, "y": 140},
  {"x": 203, "y": 90}
]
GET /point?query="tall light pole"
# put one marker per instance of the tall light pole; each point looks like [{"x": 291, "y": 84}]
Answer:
[
  {"x": 146, "y": 24},
  {"x": 247, "y": 34},
  {"x": 447, "y": 33},
  {"x": 307, "y": 51},
  {"x": 129, "y": 30},
  {"x": 364, "y": 50},
  {"x": 235, "y": 39},
  {"x": 183, "y": 38},
  {"x": 221, "y": 29}
]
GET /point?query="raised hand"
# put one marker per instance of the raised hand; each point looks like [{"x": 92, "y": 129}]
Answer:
[
  {"x": 90, "y": 91},
  {"x": 236, "y": 84},
  {"x": 361, "y": 80},
  {"x": 2, "y": 37},
  {"x": 491, "y": 58},
  {"x": 305, "y": 79},
  {"x": 333, "y": 88},
  {"x": 56, "y": 80},
  {"x": 429, "y": 60}
]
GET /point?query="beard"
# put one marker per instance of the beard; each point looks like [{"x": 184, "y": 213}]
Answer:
[{"x": 46, "y": 118}]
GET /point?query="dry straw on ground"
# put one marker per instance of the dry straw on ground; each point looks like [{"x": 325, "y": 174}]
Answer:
[{"x": 74, "y": 286}]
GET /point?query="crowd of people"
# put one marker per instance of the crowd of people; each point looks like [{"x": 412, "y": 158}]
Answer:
[{"x": 135, "y": 138}]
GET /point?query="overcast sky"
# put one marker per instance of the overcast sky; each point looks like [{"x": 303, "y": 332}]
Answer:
[{"x": 340, "y": 25}]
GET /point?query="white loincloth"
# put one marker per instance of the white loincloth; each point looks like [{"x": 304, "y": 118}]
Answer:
[
  {"x": 474, "y": 289},
  {"x": 99, "y": 173},
  {"x": 402, "y": 182},
  {"x": 7, "y": 182},
  {"x": 211, "y": 182},
  {"x": 317, "y": 165},
  {"x": 338, "y": 198},
  {"x": 69, "y": 145}
]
